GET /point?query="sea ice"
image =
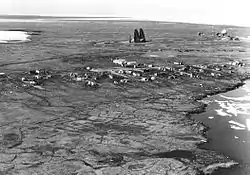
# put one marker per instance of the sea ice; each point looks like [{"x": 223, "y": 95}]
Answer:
[
  {"x": 236, "y": 127},
  {"x": 221, "y": 112},
  {"x": 236, "y": 123}
]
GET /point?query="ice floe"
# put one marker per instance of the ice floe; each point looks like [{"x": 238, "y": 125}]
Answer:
[
  {"x": 245, "y": 98},
  {"x": 236, "y": 125},
  {"x": 248, "y": 124},
  {"x": 222, "y": 113},
  {"x": 233, "y": 107},
  {"x": 14, "y": 36}
]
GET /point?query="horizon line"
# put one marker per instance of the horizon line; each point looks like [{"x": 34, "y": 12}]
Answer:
[{"x": 110, "y": 17}]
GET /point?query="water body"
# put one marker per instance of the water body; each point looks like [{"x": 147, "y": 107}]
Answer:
[
  {"x": 14, "y": 36},
  {"x": 228, "y": 116}
]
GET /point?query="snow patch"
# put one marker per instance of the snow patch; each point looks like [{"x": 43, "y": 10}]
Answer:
[
  {"x": 14, "y": 36},
  {"x": 211, "y": 117}
]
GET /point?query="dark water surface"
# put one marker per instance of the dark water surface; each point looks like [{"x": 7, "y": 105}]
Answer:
[{"x": 228, "y": 116}]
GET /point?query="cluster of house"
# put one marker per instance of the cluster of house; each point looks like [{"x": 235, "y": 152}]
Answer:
[
  {"x": 129, "y": 71},
  {"x": 35, "y": 78},
  {"x": 237, "y": 63},
  {"x": 151, "y": 72},
  {"x": 85, "y": 78},
  {"x": 223, "y": 35},
  {"x": 193, "y": 71}
]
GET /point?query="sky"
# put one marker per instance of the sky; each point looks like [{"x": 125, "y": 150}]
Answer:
[{"x": 235, "y": 12}]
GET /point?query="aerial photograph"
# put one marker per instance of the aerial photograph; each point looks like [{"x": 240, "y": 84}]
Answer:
[{"x": 135, "y": 87}]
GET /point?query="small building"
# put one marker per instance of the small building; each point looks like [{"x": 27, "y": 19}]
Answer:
[{"x": 119, "y": 61}]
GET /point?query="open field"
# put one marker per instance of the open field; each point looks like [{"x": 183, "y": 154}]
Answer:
[{"x": 57, "y": 122}]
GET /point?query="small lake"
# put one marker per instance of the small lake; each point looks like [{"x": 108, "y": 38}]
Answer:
[{"x": 228, "y": 116}]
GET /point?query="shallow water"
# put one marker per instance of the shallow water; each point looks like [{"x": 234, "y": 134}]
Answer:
[{"x": 228, "y": 116}]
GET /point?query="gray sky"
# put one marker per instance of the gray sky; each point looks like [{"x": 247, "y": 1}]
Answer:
[{"x": 200, "y": 11}]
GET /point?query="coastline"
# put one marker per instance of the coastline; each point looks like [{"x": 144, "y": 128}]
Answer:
[
  {"x": 202, "y": 108},
  {"x": 206, "y": 161},
  {"x": 114, "y": 128}
]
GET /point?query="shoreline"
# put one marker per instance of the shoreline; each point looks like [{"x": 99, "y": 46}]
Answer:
[
  {"x": 203, "y": 132},
  {"x": 140, "y": 125},
  {"x": 201, "y": 128}
]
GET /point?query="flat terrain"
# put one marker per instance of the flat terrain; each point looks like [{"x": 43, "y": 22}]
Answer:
[{"x": 83, "y": 114}]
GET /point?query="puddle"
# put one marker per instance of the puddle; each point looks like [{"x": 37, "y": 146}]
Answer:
[
  {"x": 228, "y": 117},
  {"x": 175, "y": 154}
]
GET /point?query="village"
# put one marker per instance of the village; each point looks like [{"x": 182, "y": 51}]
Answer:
[
  {"x": 124, "y": 72},
  {"x": 95, "y": 98}
]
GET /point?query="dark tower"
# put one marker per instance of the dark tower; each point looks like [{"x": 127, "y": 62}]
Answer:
[
  {"x": 142, "y": 35},
  {"x": 136, "y": 36}
]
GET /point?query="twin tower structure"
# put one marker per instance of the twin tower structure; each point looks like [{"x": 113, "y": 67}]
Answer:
[{"x": 139, "y": 36}]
